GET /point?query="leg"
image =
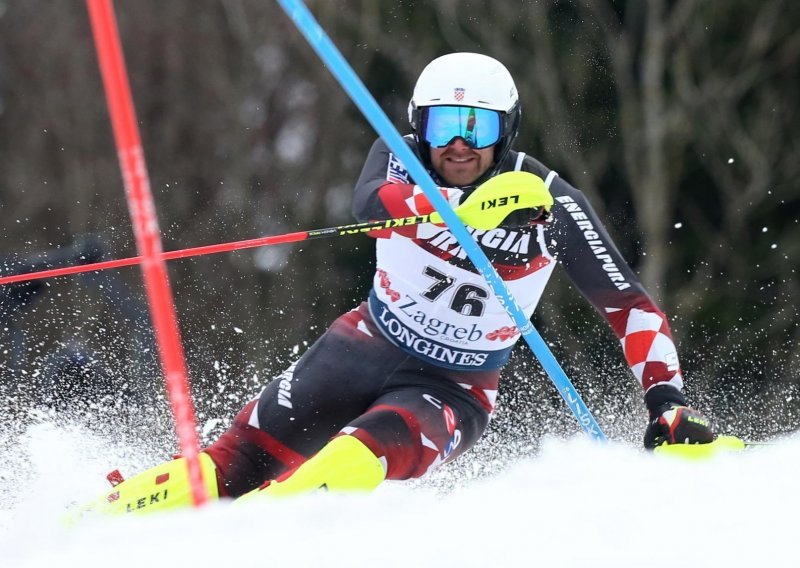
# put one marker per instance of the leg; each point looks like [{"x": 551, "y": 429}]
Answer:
[
  {"x": 345, "y": 464},
  {"x": 405, "y": 433},
  {"x": 335, "y": 381},
  {"x": 416, "y": 429},
  {"x": 292, "y": 419}
]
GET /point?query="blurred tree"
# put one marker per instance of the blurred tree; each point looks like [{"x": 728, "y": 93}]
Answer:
[{"x": 677, "y": 118}]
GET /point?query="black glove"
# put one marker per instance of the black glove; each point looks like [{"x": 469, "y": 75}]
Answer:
[
  {"x": 672, "y": 421},
  {"x": 526, "y": 217}
]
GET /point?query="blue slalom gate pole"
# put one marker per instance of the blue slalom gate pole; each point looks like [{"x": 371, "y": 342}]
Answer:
[{"x": 351, "y": 83}]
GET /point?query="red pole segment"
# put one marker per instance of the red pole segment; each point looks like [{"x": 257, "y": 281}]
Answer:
[
  {"x": 148, "y": 239},
  {"x": 340, "y": 231},
  {"x": 169, "y": 255}
]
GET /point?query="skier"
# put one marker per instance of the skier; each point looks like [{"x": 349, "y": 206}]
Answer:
[{"x": 408, "y": 379}]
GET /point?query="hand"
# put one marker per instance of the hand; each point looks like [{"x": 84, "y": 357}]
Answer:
[
  {"x": 672, "y": 421},
  {"x": 516, "y": 199},
  {"x": 526, "y": 217},
  {"x": 677, "y": 424}
]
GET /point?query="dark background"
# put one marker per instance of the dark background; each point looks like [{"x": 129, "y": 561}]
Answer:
[{"x": 679, "y": 119}]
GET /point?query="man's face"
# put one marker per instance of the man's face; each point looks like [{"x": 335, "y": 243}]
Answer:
[{"x": 460, "y": 165}]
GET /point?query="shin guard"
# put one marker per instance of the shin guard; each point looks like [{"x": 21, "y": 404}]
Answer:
[
  {"x": 165, "y": 486},
  {"x": 344, "y": 465}
]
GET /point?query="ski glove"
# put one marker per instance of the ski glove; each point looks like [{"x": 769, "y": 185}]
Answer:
[
  {"x": 672, "y": 421},
  {"x": 511, "y": 199},
  {"x": 526, "y": 217}
]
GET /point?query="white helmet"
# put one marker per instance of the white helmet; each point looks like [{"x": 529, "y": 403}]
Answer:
[{"x": 467, "y": 80}]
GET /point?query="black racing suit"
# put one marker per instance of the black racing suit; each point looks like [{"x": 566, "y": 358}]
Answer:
[{"x": 414, "y": 371}]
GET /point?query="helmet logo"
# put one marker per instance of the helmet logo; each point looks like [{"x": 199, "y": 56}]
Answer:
[{"x": 458, "y": 94}]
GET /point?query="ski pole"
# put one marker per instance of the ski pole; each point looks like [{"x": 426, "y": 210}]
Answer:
[
  {"x": 482, "y": 210},
  {"x": 339, "y": 231}
]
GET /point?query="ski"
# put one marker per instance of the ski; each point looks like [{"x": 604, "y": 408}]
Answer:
[{"x": 720, "y": 445}]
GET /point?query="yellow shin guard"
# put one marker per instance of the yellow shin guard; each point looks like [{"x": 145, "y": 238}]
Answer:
[
  {"x": 165, "y": 486},
  {"x": 344, "y": 465}
]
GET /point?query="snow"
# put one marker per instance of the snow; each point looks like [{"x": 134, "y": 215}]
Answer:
[{"x": 575, "y": 503}]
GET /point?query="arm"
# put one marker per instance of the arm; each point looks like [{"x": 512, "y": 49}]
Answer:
[
  {"x": 597, "y": 269},
  {"x": 385, "y": 190},
  {"x": 602, "y": 275}
]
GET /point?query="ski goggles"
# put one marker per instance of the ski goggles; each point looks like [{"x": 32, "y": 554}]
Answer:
[{"x": 478, "y": 127}]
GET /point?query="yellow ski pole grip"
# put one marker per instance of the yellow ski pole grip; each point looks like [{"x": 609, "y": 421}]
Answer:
[{"x": 494, "y": 200}]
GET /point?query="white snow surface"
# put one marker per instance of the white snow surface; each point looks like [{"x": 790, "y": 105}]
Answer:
[{"x": 576, "y": 503}]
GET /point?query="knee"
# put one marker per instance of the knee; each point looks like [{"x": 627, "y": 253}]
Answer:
[{"x": 413, "y": 446}]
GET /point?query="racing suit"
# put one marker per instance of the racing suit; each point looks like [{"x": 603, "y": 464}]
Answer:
[{"x": 413, "y": 372}]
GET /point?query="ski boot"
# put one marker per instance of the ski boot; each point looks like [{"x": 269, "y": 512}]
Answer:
[{"x": 344, "y": 465}]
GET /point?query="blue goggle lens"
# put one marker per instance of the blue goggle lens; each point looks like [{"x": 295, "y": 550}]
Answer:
[{"x": 479, "y": 127}]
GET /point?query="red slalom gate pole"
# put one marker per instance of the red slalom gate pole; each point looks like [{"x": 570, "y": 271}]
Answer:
[{"x": 148, "y": 238}]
